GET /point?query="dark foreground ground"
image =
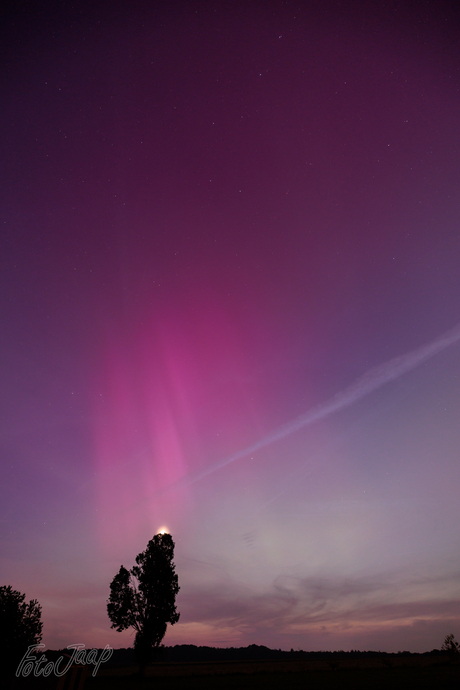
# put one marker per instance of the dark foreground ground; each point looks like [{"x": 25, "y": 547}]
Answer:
[
  {"x": 336, "y": 671},
  {"x": 445, "y": 677},
  {"x": 385, "y": 673}
]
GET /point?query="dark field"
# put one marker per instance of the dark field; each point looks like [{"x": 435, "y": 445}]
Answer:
[
  {"x": 268, "y": 675},
  {"x": 388, "y": 672}
]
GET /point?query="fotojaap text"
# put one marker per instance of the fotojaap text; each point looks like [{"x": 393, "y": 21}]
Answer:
[{"x": 41, "y": 666}]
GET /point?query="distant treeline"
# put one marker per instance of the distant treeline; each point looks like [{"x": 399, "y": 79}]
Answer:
[{"x": 190, "y": 653}]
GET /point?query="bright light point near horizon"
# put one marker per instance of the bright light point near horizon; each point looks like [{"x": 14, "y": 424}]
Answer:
[{"x": 263, "y": 366}]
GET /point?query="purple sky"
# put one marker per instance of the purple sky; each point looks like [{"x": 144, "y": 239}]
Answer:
[{"x": 229, "y": 230}]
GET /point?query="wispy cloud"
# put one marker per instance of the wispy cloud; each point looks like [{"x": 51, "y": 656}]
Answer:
[{"x": 296, "y": 604}]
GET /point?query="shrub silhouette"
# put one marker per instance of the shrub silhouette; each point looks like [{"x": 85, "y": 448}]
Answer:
[{"x": 450, "y": 645}]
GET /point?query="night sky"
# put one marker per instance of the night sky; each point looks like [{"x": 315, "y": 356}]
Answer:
[{"x": 229, "y": 307}]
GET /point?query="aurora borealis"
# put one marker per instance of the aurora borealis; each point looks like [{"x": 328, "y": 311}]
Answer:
[{"x": 218, "y": 221}]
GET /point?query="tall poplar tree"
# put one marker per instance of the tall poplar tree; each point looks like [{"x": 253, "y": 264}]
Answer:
[{"x": 144, "y": 598}]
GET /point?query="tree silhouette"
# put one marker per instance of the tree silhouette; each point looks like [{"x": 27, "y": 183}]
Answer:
[
  {"x": 144, "y": 597},
  {"x": 20, "y": 627},
  {"x": 450, "y": 645}
]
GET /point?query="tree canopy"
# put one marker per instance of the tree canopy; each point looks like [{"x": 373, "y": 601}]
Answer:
[
  {"x": 20, "y": 626},
  {"x": 450, "y": 645},
  {"x": 144, "y": 598}
]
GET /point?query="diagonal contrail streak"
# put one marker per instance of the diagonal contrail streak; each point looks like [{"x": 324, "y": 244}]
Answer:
[{"x": 370, "y": 381}]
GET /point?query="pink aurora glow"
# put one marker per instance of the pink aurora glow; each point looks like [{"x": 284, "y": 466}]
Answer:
[{"x": 155, "y": 409}]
